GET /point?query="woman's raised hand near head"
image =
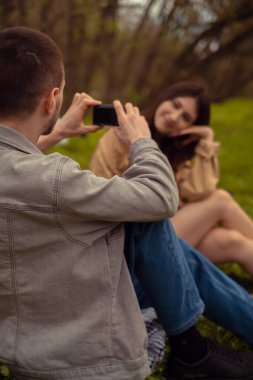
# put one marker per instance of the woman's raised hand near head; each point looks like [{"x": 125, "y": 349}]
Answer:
[{"x": 197, "y": 132}]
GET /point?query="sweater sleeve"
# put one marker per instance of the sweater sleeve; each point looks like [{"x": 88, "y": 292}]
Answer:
[
  {"x": 197, "y": 179},
  {"x": 110, "y": 157}
]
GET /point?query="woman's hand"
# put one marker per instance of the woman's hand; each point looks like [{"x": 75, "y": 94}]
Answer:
[
  {"x": 197, "y": 132},
  {"x": 132, "y": 125}
]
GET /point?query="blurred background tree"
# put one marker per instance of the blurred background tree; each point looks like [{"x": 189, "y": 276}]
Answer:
[{"x": 132, "y": 49}]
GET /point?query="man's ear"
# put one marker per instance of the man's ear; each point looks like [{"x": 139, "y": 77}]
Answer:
[{"x": 50, "y": 100}]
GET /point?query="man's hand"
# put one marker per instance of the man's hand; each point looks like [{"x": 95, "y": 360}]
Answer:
[
  {"x": 71, "y": 124},
  {"x": 132, "y": 126}
]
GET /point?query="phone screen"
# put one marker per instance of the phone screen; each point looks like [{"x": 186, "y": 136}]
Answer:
[{"x": 105, "y": 114}]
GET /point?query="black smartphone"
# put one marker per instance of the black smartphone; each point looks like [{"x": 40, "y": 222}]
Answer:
[{"x": 105, "y": 114}]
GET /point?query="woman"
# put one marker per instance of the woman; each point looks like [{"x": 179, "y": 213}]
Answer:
[{"x": 208, "y": 218}]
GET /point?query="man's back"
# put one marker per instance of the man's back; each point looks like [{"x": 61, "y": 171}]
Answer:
[{"x": 67, "y": 299}]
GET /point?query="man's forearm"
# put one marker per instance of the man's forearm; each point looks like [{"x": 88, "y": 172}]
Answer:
[{"x": 46, "y": 142}]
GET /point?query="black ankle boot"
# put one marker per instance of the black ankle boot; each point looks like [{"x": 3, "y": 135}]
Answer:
[{"x": 219, "y": 363}]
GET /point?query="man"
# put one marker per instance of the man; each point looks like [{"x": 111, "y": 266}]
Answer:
[{"x": 68, "y": 309}]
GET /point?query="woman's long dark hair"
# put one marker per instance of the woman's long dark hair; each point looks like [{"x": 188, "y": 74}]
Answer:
[{"x": 173, "y": 147}]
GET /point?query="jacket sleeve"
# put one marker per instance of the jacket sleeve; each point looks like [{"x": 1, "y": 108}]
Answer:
[
  {"x": 110, "y": 157},
  {"x": 146, "y": 192},
  {"x": 197, "y": 179}
]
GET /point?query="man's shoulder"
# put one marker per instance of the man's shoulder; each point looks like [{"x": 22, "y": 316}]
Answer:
[
  {"x": 47, "y": 166},
  {"x": 56, "y": 159}
]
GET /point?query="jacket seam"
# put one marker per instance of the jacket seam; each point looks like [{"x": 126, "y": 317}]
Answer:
[
  {"x": 11, "y": 147},
  {"x": 14, "y": 282},
  {"x": 57, "y": 183},
  {"x": 112, "y": 297},
  {"x": 140, "y": 360},
  {"x": 12, "y": 207},
  {"x": 56, "y": 204}
]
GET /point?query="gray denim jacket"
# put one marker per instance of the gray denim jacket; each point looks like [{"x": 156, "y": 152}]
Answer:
[{"x": 67, "y": 305}]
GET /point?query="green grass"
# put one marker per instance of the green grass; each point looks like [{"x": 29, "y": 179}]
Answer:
[{"x": 233, "y": 125}]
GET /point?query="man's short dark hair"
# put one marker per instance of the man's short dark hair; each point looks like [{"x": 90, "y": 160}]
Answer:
[{"x": 30, "y": 66}]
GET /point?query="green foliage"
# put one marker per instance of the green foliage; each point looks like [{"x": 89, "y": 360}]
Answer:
[
  {"x": 107, "y": 43},
  {"x": 4, "y": 372},
  {"x": 233, "y": 125}
]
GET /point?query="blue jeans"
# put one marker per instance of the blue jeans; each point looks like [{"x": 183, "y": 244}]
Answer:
[{"x": 181, "y": 284}]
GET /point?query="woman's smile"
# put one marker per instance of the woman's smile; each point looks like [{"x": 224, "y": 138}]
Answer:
[{"x": 174, "y": 115}]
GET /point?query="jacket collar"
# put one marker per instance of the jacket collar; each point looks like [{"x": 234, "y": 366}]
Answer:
[{"x": 14, "y": 140}]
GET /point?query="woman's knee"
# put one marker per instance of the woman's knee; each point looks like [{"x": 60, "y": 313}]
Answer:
[
  {"x": 230, "y": 239},
  {"x": 222, "y": 245},
  {"x": 222, "y": 201},
  {"x": 222, "y": 196}
]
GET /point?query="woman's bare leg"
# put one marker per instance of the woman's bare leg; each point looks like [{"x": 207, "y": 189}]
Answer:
[
  {"x": 221, "y": 245},
  {"x": 195, "y": 220}
]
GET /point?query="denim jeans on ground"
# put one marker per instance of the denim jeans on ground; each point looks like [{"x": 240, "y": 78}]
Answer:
[
  {"x": 181, "y": 284},
  {"x": 226, "y": 302},
  {"x": 157, "y": 263}
]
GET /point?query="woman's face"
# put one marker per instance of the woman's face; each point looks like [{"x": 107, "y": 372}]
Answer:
[{"x": 172, "y": 116}]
